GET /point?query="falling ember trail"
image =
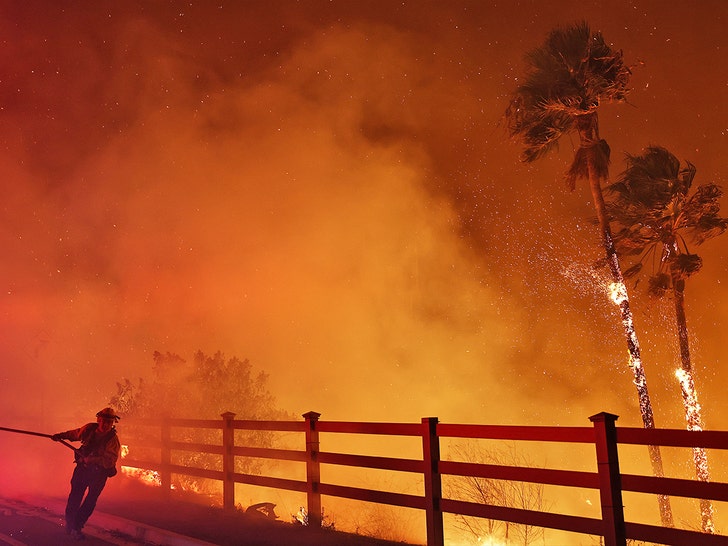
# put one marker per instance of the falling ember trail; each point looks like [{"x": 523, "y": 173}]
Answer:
[
  {"x": 684, "y": 375},
  {"x": 700, "y": 457},
  {"x": 618, "y": 294}
]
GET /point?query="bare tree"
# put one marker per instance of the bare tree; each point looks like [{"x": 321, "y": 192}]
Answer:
[{"x": 511, "y": 494}]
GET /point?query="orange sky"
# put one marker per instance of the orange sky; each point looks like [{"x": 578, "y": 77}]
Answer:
[{"x": 325, "y": 188}]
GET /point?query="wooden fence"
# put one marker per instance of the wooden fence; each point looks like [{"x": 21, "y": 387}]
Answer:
[{"x": 607, "y": 479}]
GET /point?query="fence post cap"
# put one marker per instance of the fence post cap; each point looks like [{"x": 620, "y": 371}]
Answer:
[
  {"x": 312, "y": 415},
  {"x": 228, "y": 415},
  {"x": 603, "y": 416}
]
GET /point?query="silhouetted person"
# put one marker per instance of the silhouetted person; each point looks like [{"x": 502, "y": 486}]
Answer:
[{"x": 95, "y": 462}]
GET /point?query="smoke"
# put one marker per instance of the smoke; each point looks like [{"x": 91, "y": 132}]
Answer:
[
  {"x": 321, "y": 190},
  {"x": 325, "y": 188}
]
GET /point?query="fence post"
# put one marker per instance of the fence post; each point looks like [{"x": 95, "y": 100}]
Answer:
[
  {"x": 433, "y": 482},
  {"x": 228, "y": 460},
  {"x": 165, "y": 475},
  {"x": 610, "y": 480},
  {"x": 313, "y": 470}
]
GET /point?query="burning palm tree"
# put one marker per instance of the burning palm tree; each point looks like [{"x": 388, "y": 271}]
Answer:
[
  {"x": 657, "y": 215},
  {"x": 568, "y": 79}
]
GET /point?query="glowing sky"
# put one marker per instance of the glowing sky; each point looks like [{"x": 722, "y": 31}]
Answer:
[{"x": 327, "y": 189}]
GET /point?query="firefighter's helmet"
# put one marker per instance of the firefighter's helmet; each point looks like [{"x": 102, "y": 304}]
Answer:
[{"x": 108, "y": 413}]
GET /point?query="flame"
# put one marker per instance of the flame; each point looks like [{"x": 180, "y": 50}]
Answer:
[
  {"x": 148, "y": 477},
  {"x": 691, "y": 399},
  {"x": 301, "y": 516},
  {"x": 487, "y": 540},
  {"x": 490, "y": 541},
  {"x": 618, "y": 292},
  {"x": 153, "y": 478}
]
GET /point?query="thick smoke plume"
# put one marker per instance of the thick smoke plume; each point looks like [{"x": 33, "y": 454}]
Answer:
[{"x": 325, "y": 189}]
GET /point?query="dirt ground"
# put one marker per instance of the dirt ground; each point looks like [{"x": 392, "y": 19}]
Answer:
[{"x": 186, "y": 515}]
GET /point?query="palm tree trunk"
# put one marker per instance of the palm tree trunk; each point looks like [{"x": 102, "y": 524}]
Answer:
[
  {"x": 589, "y": 140},
  {"x": 690, "y": 401}
]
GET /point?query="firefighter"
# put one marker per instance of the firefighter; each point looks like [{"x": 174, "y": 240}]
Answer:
[{"x": 95, "y": 463}]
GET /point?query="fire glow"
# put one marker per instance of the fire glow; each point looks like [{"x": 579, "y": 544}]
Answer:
[
  {"x": 147, "y": 477},
  {"x": 177, "y": 197}
]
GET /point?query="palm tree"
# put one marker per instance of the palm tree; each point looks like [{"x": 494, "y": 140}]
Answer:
[
  {"x": 657, "y": 215},
  {"x": 568, "y": 79}
]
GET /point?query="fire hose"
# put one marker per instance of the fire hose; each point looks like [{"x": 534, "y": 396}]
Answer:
[
  {"x": 76, "y": 451},
  {"x": 18, "y": 431}
]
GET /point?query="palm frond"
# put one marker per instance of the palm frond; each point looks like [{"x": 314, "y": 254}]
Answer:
[
  {"x": 658, "y": 285},
  {"x": 539, "y": 129},
  {"x": 633, "y": 271},
  {"x": 632, "y": 242},
  {"x": 700, "y": 214},
  {"x": 570, "y": 44},
  {"x": 597, "y": 155},
  {"x": 579, "y": 169},
  {"x": 567, "y": 78},
  {"x": 686, "y": 176},
  {"x": 708, "y": 227},
  {"x": 683, "y": 265},
  {"x": 704, "y": 202},
  {"x": 651, "y": 205},
  {"x": 649, "y": 179}
]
